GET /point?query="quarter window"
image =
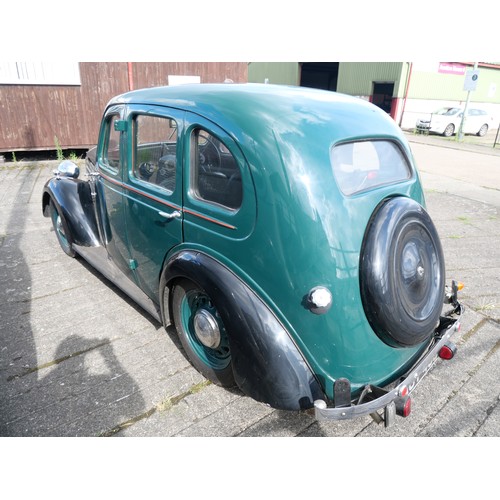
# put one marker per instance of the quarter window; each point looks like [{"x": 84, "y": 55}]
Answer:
[
  {"x": 363, "y": 165},
  {"x": 111, "y": 150},
  {"x": 155, "y": 150},
  {"x": 216, "y": 176}
]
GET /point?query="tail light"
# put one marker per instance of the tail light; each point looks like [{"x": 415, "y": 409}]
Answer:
[
  {"x": 403, "y": 406},
  {"x": 448, "y": 351}
]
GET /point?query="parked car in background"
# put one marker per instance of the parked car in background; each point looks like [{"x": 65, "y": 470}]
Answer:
[
  {"x": 281, "y": 231},
  {"x": 446, "y": 121}
]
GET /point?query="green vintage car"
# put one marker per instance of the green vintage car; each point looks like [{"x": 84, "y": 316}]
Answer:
[{"x": 281, "y": 230}]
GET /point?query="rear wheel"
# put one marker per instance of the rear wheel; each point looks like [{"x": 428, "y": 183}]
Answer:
[
  {"x": 61, "y": 230},
  {"x": 402, "y": 273},
  {"x": 449, "y": 130},
  {"x": 202, "y": 332}
]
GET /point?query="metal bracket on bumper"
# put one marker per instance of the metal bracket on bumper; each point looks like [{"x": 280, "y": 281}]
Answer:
[{"x": 375, "y": 398}]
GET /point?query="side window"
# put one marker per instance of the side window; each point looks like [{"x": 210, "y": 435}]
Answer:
[
  {"x": 215, "y": 174},
  {"x": 111, "y": 150},
  {"x": 155, "y": 150}
]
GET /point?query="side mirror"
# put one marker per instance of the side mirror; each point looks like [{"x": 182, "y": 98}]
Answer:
[{"x": 68, "y": 169}]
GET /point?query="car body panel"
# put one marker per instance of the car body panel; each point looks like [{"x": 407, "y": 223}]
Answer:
[{"x": 74, "y": 199}]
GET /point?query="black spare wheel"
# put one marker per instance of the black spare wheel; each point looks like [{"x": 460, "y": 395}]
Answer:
[{"x": 402, "y": 275}]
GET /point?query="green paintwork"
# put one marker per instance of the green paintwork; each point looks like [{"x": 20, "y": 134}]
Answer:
[
  {"x": 142, "y": 207},
  {"x": 120, "y": 125},
  {"x": 295, "y": 229}
]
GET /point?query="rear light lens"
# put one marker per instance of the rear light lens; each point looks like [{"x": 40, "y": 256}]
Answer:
[
  {"x": 447, "y": 351},
  {"x": 407, "y": 407},
  {"x": 403, "y": 406}
]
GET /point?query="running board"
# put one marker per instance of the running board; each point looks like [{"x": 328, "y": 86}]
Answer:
[{"x": 98, "y": 258}]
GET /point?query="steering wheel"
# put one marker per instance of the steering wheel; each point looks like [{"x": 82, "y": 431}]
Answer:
[
  {"x": 146, "y": 170},
  {"x": 209, "y": 156}
]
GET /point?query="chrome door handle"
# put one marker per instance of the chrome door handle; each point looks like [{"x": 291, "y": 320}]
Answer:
[{"x": 174, "y": 215}]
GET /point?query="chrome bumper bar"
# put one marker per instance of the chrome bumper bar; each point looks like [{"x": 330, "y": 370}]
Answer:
[{"x": 382, "y": 399}]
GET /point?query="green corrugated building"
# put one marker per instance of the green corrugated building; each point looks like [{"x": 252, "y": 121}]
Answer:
[{"x": 407, "y": 91}]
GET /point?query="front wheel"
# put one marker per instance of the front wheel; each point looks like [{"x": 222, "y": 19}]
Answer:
[
  {"x": 60, "y": 228},
  {"x": 202, "y": 332}
]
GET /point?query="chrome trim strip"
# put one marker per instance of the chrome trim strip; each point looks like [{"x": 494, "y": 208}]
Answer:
[{"x": 163, "y": 202}]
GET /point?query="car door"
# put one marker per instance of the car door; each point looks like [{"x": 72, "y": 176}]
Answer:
[
  {"x": 111, "y": 162},
  {"x": 219, "y": 197},
  {"x": 153, "y": 190},
  {"x": 473, "y": 122}
]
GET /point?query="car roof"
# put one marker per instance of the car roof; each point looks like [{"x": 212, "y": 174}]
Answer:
[{"x": 254, "y": 109}]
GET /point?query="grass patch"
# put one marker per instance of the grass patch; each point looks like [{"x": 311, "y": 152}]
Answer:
[
  {"x": 465, "y": 219},
  {"x": 486, "y": 307}
]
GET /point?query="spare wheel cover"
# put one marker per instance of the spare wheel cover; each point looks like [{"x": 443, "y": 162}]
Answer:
[{"x": 402, "y": 274}]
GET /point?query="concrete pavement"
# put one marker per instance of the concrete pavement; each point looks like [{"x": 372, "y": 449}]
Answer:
[{"x": 78, "y": 358}]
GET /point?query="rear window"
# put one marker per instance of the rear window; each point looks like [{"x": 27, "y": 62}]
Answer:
[{"x": 358, "y": 166}]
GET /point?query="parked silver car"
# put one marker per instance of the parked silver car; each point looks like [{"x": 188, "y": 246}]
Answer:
[{"x": 446, "y": 121}]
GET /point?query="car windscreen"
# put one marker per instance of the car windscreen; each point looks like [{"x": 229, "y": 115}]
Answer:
[
  {"x": 362, "y": 165},
  {"x": 447, "y": 111}
]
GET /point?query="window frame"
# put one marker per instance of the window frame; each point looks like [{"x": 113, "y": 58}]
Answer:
[
  {"x": 406, "y": 161},
  {"x": 103, "y": 153},
  {"x": 133, "y": 120},
  {"x": 194, "y": 168}
]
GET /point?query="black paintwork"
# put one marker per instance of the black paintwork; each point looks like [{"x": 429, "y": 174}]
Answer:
[
  {"x": 266, "y": 363},
  {"x": 402, "y": 273},
  {"x": 73, "y": 199}
]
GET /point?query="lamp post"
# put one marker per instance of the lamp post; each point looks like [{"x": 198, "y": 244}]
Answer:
[{"x": 469, "y": 85}]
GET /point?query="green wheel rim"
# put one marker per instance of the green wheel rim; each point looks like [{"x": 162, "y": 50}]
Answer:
[{"x": 216, "y": 358}]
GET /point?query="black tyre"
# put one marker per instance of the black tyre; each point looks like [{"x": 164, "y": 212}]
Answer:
[
  {"x": 61, "y": 230},
  {"x": 483, "y": 130},
  {"x": 449, "y": 130},
  {"x": 402, "y": 274},
  {"x": 202, "y": 332}
]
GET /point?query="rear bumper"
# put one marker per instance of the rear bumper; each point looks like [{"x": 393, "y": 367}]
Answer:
[{"x": 374, "y": 399}]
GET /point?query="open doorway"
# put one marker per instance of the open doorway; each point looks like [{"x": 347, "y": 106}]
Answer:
[
  {"x": 383, "y": 95},
  {"x": 319, "y": 75}
]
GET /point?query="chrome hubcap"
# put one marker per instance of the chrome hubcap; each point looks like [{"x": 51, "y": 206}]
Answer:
[
  {"x": 420, "y": 272},
  {"x": 206, "y": 328},
  {"x": 59, "y": 225}
]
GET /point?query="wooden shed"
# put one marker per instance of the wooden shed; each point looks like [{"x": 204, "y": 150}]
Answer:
[{"x": 39, "y": 113}]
